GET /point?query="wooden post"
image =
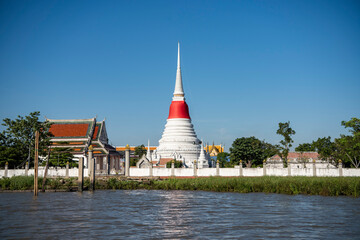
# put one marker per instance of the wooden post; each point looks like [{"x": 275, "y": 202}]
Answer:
[
  {"x": 127, "y": 160},
  {"x": 91, "y": 168},
  {"x": 340, "y": 169},
  {"x": 81, "y": 175},
  {"x": 6, "y": 169},
  {"x": 264, "y": 168},
  {"x": 172, "y": 168},
  {"x": 289, "y": 167},
  {"x": 240, "y": 169},
  {"x": 314, "y": 168},
  {"x": 67, "y": 170},
  {"x": 46, "y": 170},
  {"x": 36, "y": 162}
]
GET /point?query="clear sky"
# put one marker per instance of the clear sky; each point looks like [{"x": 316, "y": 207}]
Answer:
[{"x": 246, "y": 65}]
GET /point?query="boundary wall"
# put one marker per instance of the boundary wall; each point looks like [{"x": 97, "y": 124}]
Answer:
[
  {"x": 245, "y": 172},
  {"x": 191, "y": 172}
]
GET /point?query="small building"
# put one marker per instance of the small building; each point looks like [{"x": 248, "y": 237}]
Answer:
[
  {"x": 79, "y": 134},
  {"x": 300, "y": 160}
]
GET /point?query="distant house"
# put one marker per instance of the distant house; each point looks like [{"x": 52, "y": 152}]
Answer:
[
  {"x": 79, "y": 134},
  {"x": 300, "y": 160}
]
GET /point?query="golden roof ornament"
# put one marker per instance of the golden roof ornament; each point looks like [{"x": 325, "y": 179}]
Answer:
[
  {"x": 127, "y": 147},
  {"x": 90, "y": 148}
]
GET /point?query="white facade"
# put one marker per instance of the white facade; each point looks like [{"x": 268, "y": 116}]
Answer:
[{"x": 179, "y": 142}]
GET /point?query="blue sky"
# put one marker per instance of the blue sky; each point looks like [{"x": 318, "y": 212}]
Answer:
[{"x": 246, "y": 65}]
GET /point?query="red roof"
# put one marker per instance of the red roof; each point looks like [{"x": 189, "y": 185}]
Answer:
[
  {"x": 95, "y": 132},
  {"x": 292, "y": 155},
  {"x": 179, "y": 109},
  {"x": 164, "y": 161},
  {"x": 69, "y": 130}
]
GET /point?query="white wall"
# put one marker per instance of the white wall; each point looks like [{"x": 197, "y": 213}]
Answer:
[
  {"x": 52, "y": 172},
  {"x": 203, "y": 172}
]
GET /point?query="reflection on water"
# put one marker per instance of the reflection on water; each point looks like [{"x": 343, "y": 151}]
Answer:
[{"x": 142, "y": 214}]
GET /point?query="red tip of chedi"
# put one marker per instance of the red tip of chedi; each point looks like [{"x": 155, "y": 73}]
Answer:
[{"x": 179, "y": 109}]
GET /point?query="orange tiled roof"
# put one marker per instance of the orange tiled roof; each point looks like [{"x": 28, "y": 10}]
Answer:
[
  {"x": 95, "y": 132},
  {"x": 293, "y": 155},
  {"x": 69, "y": 130},
  {"x": 164, "y": 161},
  {"x": 132, "y": 148}
]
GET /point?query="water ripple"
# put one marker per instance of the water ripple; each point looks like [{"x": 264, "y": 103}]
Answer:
[{"x": 143, "y": 214}]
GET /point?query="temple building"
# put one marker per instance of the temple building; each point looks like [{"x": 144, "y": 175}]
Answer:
[
  {"x": 78, "y": 134},
  {"x": 213, "y": 150},
  {"x": 179, "y": 140}
]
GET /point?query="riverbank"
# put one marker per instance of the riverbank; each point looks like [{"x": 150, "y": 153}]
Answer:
[{"x": 325, "y": 186}]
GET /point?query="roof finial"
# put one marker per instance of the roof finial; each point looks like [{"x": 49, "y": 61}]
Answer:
[
  {"x": 178, "y": 61},
  {"x": 179, "y": 92},
  {"x": 148, "y": 153}
]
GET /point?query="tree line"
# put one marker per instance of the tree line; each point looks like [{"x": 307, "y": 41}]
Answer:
[
  {"x": 17, "y": 144},
  {"x": 253, "y": 151}
]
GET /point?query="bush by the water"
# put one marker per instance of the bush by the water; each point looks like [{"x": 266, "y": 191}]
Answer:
[
  {"x": 326, "y": 186},
  {"x": 27, "y": 183}
]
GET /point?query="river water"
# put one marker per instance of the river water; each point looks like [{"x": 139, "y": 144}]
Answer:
[{"x": 144, "y": 214}]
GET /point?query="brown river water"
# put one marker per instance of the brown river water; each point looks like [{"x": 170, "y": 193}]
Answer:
[{"x": 152, "y": 214}]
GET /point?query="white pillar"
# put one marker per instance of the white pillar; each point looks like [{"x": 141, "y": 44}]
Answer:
[
  {"x": 340, "y": 169},
  {"x": 264, "y": 168},
  {"x": 26, "y": 168},
  {"x": 151, "y": 170},
  {"x": 240, "y": 169},
  {"x": 172, "y": 168},
  {"x": 127, "y": 160},
  {"x": 195, "y": 169},
  {"x": 217, "y": 168},
  {"x": 90, "y": 161},
  {"x": 314, "y": 168},
  {"x": 289, "y": 168},
  {"x": 67, "y": 169},
  {"x": 6, "y": 169}
]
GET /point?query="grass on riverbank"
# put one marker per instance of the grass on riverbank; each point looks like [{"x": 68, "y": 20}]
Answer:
[{"x": 326, "y": 186}]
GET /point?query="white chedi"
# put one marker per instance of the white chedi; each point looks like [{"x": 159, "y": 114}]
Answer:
[
  {"x": 202, "y": 161},
  {"x": 179, "y": 140}
]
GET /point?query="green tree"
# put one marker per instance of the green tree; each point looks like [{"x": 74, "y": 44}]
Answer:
[
  {"x": 251, "y": 150},
  {"x": 305, "y": 147},
  {"x": 140, "y": 150},
  {"x": 18, "y": 139},
  {"x": 286, "y": 131},
  {"x": 349, "y": 146},
  {"x": 223, "y": 159},
  {"x": 326, "y": 149},
  {"x": 177, "y": 164},
  {"x": 353, "y": 124},
  {"x": 60, "y": 156},
  {"x": 133, "y": 161}
]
